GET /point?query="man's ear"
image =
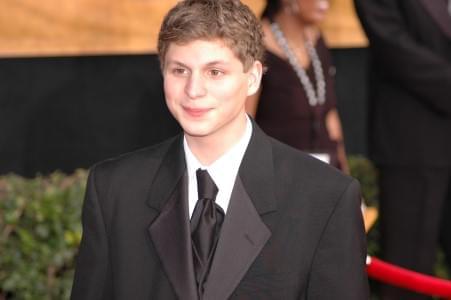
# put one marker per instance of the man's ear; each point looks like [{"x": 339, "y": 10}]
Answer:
[{"x": 254, "y": 77}]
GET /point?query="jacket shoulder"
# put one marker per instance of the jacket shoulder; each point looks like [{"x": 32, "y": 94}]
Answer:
[
  {"x": 136, "y": 168},
  {"x": 134, "y": 160},
  {"x": 307, "y": 171}
]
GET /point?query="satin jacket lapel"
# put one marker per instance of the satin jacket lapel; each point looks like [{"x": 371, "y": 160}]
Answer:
[
  {"x": 244, "y": 233},
  {"x": 439, "y": 12},
  {"x": 170, "y": 231},
  {"x": 242, "y": 237}
]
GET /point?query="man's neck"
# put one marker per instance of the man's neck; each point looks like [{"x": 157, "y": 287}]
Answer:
[{"x": 208, "y": 149}]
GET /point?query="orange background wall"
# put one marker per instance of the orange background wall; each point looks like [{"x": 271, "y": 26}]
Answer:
[{"x": 79, "y": 27}]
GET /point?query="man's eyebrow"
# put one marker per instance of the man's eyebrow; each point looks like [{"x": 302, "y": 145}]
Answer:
[
  {"x": 175, "y": 62},
  {"x": 209, "y": 64},
  {"x": 216, "y": 62}
]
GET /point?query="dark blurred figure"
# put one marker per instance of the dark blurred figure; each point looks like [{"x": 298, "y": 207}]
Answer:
[
  {"x": 410, "y": 128},
  {"x": 297, "y": 101}
]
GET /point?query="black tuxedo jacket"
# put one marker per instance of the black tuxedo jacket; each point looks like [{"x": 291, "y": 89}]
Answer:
[
  {"x": 293, "y": 229},
  {"x": 410, "y": 83}
]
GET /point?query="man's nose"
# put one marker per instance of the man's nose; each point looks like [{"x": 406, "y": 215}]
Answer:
[{"x": 195, "y": 86}]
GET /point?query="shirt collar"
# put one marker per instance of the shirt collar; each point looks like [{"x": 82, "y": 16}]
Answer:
[
  {"x": 236, "y": 153},
  {"x": 223, "y": 170}
]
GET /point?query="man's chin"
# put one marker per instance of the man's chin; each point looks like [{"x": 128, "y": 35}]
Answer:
[{"x": 197, "y": 132}]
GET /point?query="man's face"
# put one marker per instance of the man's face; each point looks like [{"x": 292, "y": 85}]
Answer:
[{"x": 206, "y": 88}]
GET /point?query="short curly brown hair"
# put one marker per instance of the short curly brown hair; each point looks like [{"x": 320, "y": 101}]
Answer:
[{"x": 229, "y": 20}]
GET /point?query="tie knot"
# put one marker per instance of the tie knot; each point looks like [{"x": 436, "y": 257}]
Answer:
[{"x": 206, "y": 187}]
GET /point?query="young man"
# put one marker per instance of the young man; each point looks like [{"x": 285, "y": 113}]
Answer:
[{"x": 270, "y": 223}]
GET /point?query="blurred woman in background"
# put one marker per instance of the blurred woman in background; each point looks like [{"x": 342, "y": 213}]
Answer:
[{"x": 297, "y": 101}]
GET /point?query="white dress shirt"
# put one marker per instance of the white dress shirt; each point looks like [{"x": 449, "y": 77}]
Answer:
[{"x": 223, "y": 171}]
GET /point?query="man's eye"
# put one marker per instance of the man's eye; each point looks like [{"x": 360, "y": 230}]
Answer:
[
  {"x": 215, "y": 73},
  {"x": 179, "y": 71}
]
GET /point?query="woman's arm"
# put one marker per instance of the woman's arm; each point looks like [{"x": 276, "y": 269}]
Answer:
[{"x": 334, "y": 129}]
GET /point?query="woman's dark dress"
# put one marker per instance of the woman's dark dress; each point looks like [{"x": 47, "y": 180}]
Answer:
[{"x": 284, "y": 112}]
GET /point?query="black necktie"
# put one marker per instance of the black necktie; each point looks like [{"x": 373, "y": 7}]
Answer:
[{"x": 206, "y": 223}]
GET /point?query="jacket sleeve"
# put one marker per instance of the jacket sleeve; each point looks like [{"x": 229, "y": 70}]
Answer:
[
  {"x": 92, "y": 274},
  {"x": 412, "y": 65},
  {"x": 338, "y": 270}
]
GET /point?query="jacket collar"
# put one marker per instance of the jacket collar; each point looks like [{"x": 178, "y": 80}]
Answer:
[
  {"x": 170, "y": 171},
  {"x": 256, "y": 171}
]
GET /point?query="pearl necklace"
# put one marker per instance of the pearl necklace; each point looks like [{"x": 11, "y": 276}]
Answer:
[{"x": 314, "y": 98}]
